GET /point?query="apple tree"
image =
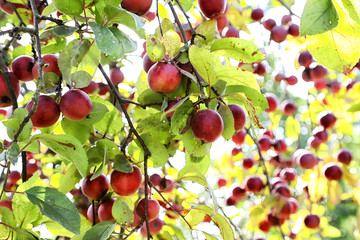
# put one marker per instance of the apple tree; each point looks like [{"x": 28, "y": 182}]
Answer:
[{"x": 179, "y": 119}]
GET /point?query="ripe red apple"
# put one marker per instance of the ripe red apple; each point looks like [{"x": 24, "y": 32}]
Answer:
[
  {"x": 91, "y": 88},
  {"x": 212, "y": 8},
  {"x": 31, "y": 167},
  {"x": 276, "y": 181},
  {"x": 312, "y": 221},
  {"x": 5, "y": 7},
  {"x": 231, "y": 201},
  {"x": 305, "y": 59},
  {"x": 22, "y": 67},
  {"x": 267, "y": 133},
  {"x": 292, "y": 80},
  {"x": 90, "y": 216},
  {"x": 314, "y": 142},
  {"x": 149, "y": 16},
  {"x": 14, "y": 176},
  {"x": 236, "y": 151},
  {"x": 147, "y": 63},
  {"x": 47, "y": 112},
  {"x": 222, "y": 22},
  {"x": 264, "y": 143},
  {"x": 230, "y": 32},
  {"x": 164, "y": 78},
  {"x": 320, "y": 84},
  {"x": 153, "y": 209},
  {"x": 280, "y": 146},
  {"x": 332, "y": 171},
  {"x": 306, "y": 160},
  {"x": 257, "y": 14},
  {"x": 139, "y": 7},
  {"x": 278, "y": 77},
  {"x": 269, "y": 24},
  {"x": 318, "y": 72},
  {"x": 278, "y": 34},
  {"x": 155, "y": 179},
  {"x": 5, "y": 100},
  {"x": 103, "y": 88},
  {"x": 239, "y": 115},
  {"x": 75, "y": 105},
  {"x": 248, "y": 162},
  {"x": 294, "y": 30},
  {"x": 273, "y": 102},
  {"x": 116, "y": 76},
  {"x": 320, "y": 133},
  {"x": 105, "y": 210},
  {"x": 155, "y": 227},
  {"x": 344, "y": 156},
  {"x": 96, "y": 188},
  {"x": 52, "y": 61},
  {"x": 288, "y": 107},
  {"x": 125, "y": 184},
  {"x": 264, "y": 225},
  {"x": 6, "y": 203},
  {"x": 283, "y": 190},
  {"x": 260, "y": 69},
  {"x": 254, "y": 184},
  {"x": 286, "y": 19},
  {"x": 275, "y": 220},
  {"x": 239, "y": 137},
  {"x": 288, "y": 174},
  {"x": 327, "y": 119},
  {"x": 166, "y": 185},
  {"x": 238, "y": 193},
  {"x": 221, "y": 182},
  {"x": 285, "y": 210},
  {"x": 207, "y": 125},
  {"x": 294, "y": 203}
]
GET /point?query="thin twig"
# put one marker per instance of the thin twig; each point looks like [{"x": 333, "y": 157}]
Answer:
[
  {"x": 233, "y": 224},
  {"x": 177, "y": 20},
  {"x": 288, "y": 8},
  {"x": 5, "y": 180},
  {"x": 54, "y": 20},
  {"x": 158, "y": 17},
  {"x": 8, "y": 82},
  {"x": 17, "y": 14},
  {"x": 24, "y": 166}
]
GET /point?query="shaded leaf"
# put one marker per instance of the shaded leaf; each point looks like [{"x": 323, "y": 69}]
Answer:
[
  {"x": 122, "y": 212},
  {"x": 100, "y": 231}
]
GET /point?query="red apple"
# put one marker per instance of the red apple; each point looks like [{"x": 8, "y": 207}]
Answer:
[
  {"x": 47, "y": 112},
  {"x": 155, "y": 227},
  {"x": 75, "y": 105},
  {"x": 288, "y": 107},
  {"x": 212, "y": 8},
  {"x": 164, "y": 78},
  {"x": 96, "y": 188},
  {"x": 264, "y": 143},
  {"x": 327, "y": 119},
  {"x": 147, "y": 63},
  {"x": 278, "y": 34},
  {"x": 5, "y": 100},
  {"x": 52, "y": 61},
  {"x": 238, "y": 193},
  {"x": 231, "y": 201},
  {"x": 230, "y": 32},
  {"x": 125, "y": 184},
  {"x": 105, "y": 210},
  {"x": 153, "y": 209},
  {"x": 305, "y": 59},
  {"x": 239, "y": 115},
  {"x": 269, "y": 24},
  {"x": 116, "y": 76},
  {"x": 248, "y": 162},
  {"x": 332, "y": 171},
  {"x": 294, "y": 30},
  {"x": 273, "y": 102},
  {"x": 257, "y": 14},
  {"x": 344, "y": 156},
  {"x": 22, "y": 67},
  {"x": 312, "y": 221},
  {"x": 91, "y": 88},
  {"x": 239, "y": 137},
  {"x": 139, "y": 7},
  {"x": 254, "y": 184},
  {"x": 207, "y": 125}
]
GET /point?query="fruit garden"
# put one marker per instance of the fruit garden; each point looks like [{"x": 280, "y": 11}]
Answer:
[{"x": 179, "y": 119}]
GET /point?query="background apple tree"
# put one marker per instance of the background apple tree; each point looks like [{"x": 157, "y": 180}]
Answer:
[{"x": 242, "y": 122}]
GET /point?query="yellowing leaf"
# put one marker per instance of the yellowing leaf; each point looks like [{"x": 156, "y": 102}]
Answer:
[{"x": 338, "y": 48}]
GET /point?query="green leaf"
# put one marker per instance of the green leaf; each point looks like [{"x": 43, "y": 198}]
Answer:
[
  {"x": 13, "y": 152},
  {"x": 186, "y": 4},
  {"x": 202, "y": 164},
  {"x": 7, "y": 216},
  {"x": 54, "y": 45},
  {"x": 122, "y": 212},
  {"x": 158, "y": 129},
  {"x": 49, "y": 9},
  {"x": 12, "y": 125},
  {"x": 69, "y": 179},
  {"x": 69, "y": 7},
  {"x": 193, "y": 146},
  {"x": 338, "y": 48},
  {"x": 56, "y": 206},
  {"x": 111, "y": 122},
  {"x": 203, "y": 61},
  {"x": 23, "y": 234},
  {"x": 122, "y": 164},
  {"x": 232, "y": 93},
  {"x": 191, "y": 173},
  {"x": 100, "y": 231},
  {"x": 228, "y": 119},
  {"x": 120, "y": 16},
  {"x": 68, "y": 147},
  {"x": 180, "y": 119},
  {"x": 24, "y": 211},
  {"x": 220, "y": 221},
  {"x": 159, "y": 155},
  {"x": 238, "y": 49},
  {"x": 64, "y": 30},
  {"x": 155, "y": 49},
  {"x": 99, "y": 170},
  {"x": 207, "y": 29},
  {"x": 76, "y": 129},
  {"x": 97, "y": 113},
  {"x": 78, "y": 62},
  {"x": 355, "y": 107},
  {"x": 319, "y": 16},
  {"x": 120, "y": 43},
  {"x": 172, "y": 43},
  {"x": 148, "y": 96},
  {"x": 353, "y": 7},
  {"x": 236, "y": 76}
]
